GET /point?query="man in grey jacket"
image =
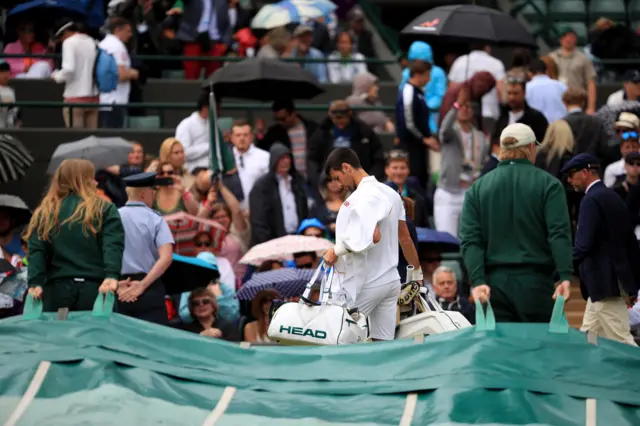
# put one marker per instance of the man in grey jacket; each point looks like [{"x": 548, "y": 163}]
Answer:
[{"x": 463, "y": 149}]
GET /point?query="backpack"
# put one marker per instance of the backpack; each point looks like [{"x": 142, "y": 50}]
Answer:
[{"x": 105, "y": 71}]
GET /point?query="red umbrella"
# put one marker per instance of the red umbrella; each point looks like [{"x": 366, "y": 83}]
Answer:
[{"x": 185, "y": 227}]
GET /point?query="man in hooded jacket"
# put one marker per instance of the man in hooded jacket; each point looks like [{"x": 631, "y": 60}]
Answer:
[
  {"x": 436, "y": 87},
  {"x": 278, "y": 200}
]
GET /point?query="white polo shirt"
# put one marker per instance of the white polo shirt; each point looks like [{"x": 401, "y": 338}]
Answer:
[
  {"x": 115, "y": 47},
  {"x": 193, "y": 134},
  {"x": 251, "y": 166},
  {"x": 465, "y": 66},
  {"x": 367, "y": 264}
]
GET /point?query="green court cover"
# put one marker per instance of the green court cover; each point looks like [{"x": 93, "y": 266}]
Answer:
[{"x": 106, "y": 369}]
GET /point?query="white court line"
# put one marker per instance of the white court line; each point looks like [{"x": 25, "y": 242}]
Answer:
[
  {"x": 30, "y": 394},
  {"x": 409, "y": 409},
  {"x": 221, "y": 406},
  {"x": 591, "y": 412}
]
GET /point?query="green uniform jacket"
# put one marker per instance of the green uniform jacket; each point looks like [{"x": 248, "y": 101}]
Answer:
[
  {"x": 516, "y": 215},
  {"x": 72, "y": 254}
]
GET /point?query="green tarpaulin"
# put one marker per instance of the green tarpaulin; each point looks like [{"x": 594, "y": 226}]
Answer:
[{"x": 114, "y": 370}]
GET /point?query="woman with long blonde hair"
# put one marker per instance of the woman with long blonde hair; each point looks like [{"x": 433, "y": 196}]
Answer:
[
  {"x": 556, "y": 148},
  {"x": 75, "y": 241}
]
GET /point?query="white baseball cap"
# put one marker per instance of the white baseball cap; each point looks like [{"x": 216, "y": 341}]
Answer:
[{"x": 520, "y": 132}]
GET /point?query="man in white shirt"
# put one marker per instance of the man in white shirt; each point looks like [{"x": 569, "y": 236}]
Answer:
[
  {"x": 115, "y": 45},
  {"x": 78, "y": 61},
  {"x": 480, "y": 59},
  {"x": 252, "y": 162},
  {"x": 194, "y": 134},
  {"x": 369, "y": 226}
]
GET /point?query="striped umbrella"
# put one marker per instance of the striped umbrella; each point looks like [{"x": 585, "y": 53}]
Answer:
[
  {"x": 307, "y": 7},
  {"x": 185, "y": 227},
  {"x": 14, "y": 159},
  {"x": 284, "y": 13},
  {"x": 287, "y": 282},
  {"x": 283, "y": 248}
]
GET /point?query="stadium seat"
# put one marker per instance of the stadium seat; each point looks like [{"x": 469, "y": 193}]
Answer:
[
  {"x": 634, "y": 13},
  {"x": 567, "y": 10},
  {"x": 579, "y": 27},
  {"x": 151, "y": 122},
  {"x": 173, "y": 74},
  {"x": 612, "y": 9},
  {"x": 529, "y": 12}
]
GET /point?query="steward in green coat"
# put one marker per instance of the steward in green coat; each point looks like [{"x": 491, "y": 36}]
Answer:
[
  {"x": 515, "y": 233},
  {"x": 71, "y": 256}
]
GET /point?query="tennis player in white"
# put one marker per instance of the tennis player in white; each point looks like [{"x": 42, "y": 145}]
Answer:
[{"x": 369, "y": 226}]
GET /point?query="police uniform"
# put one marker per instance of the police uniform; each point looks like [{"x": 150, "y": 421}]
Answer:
[{"x": 145, "y": 232}]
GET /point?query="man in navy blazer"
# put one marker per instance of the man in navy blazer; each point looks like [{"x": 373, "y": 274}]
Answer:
[{"x": 606, "y": 252}]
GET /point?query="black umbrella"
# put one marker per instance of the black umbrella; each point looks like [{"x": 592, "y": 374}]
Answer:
[
  {"x": 188, "y": 273},
  {"x": 264, "y": 80},
  {"x": 14, "y": 159},
  {"x": 19, "y": 211},
  {"x": 468, "y": 23}
]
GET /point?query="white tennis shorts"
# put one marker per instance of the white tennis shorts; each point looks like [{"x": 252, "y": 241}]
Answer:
[{"x": 380, "y": 305}]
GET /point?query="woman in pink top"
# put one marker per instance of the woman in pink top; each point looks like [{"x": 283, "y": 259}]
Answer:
[{"x": 26, "y": 44}]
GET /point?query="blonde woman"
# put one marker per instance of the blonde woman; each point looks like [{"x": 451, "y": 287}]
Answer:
[
  {"x": 75, "y": 241},
  {"x": 556, "y": 149},
  {"x": 173, "y": 198}
]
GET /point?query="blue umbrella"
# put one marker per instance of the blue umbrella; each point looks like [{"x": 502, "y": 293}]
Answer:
[
  {"x": 188, "y": 273},
  {"x": 444, "y": 241},
  {"x": 287, "y": 282}
]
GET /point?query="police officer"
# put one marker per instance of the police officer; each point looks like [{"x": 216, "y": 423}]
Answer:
[
  {"x": 606, "y": 251},
  {"x": 148, "y": 250}
]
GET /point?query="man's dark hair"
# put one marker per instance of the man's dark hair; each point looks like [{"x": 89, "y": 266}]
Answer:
[
  {"x": 286, "y": 104},
  {"x": 339, "y": 156},
  {"x": 203, "y": 100},
  {"x": 117, "y": 23},
  {"x": 538, "y": 66},
  {"x": 419, "y": 67},
  {"x": 478, "y": 45},
  {"x": 518, "y": 82},
  {"x": 241, "y": 122},
  {"x": 197, "y": 170}
]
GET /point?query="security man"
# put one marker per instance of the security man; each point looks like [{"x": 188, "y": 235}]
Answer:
[
  {"x": 606, "y": 252},
  {"x": 148, "y": 250}
]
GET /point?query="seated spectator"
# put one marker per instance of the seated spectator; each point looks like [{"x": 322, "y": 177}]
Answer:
[
  {"x": 365, "y": 93},
  {"x": 278, "y": 201},
  {"x": 312, "y": 228},
  {"x": 397, "y": 171},
  {"x": 445, "y": 285},
  {"x": 630, "y": 89},
  {"x": 9, "y": 115},
  {"x": 11, "y": 226},
  {"x": 343, "y": 70},
  {"x": 256, "y": 331},
  {"x": 627, "y": 127},
  {"x": 225, "y": 296},
  {"x": 27, "y": 45},
  {"x": 303, "y": 37},
  {"x": 361, "y": 36},
  {"x": 333, "y": 195},
  {"x": 203, "y": 308},
  {"x": 172, "y": 196},
  {"x": 342, "y": 130},
  {"x": 172, "y": 152},
  {"x": 135, "y": 162},
  {"x": 430, "y": 259},
  {"x": 544, "y": 93},
  {"x": 630, "y": 178},
  {"x": 274, "y": 44},
  {"x": 306, "y": 260},
  {"x": 323, "y": 33},
  {"x": 204, "y": 246}
]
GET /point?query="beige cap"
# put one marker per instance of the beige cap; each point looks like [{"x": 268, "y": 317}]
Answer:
[
  {"x": 628, "y": 120},
  {"x": 520, "y": 132},
  {"x": 302, "y": 29}
]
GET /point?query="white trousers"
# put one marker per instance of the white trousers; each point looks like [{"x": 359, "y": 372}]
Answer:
[
  {"x": 380, "y": 304},
  {"x": 447, "y": 208},
  {"x": 608, "y": 318}
]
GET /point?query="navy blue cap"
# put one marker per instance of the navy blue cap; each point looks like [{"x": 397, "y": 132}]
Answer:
[
  {"x": 632, "y": 156},
  {"x": 581, "y": 161},
  {"x": 141, "y": 180},
  {"x": 632, "y": 76}
]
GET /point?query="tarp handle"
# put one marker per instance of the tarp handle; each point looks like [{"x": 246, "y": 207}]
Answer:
[
  {"x": 32, "y": 308},
  {"x": 103, "y": 306},
  {"x": 485, "y": 322},
  {"x": 558, "y": 323}
]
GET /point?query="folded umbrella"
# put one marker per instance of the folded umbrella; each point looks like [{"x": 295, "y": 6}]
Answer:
[
  {"x": 264, "y": 80},
  {"x": 188, "y": 273},
  {"x": 469, "y": 23},
  {"x": 443, "y": 241},
  {"x": 102, "y": 152},
  {"x": 20, "y": 213},
  {"x": 14, "y": 159},
  {"x": 283, "y": 248},
  {"x": 288, "y": 12},
  {"x": 287, "y": 282},
  {"x": 185, "y": 227}
]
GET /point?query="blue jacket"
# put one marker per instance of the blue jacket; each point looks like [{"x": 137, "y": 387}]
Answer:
[
  {"x": 606, "y": 248},
  {"x": 437, "y": 86},
  {"x": 412, "y": 115},
  {"x": 318, "y": 69}
]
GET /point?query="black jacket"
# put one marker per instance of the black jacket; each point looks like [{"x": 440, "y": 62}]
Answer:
[
  {"x": 265, "y": 206},
  {"x": 606, "y": 249},
  {"x": 589, "y": 134},
  {"x": 532, "y": 118},
  {"x": 277, "y": 133},
  {"x": 193, "y": 9},
  {"x": 365, "y": 142}
]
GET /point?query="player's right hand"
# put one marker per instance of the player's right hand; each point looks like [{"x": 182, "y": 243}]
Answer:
[{"x": 330, "y": 257}]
